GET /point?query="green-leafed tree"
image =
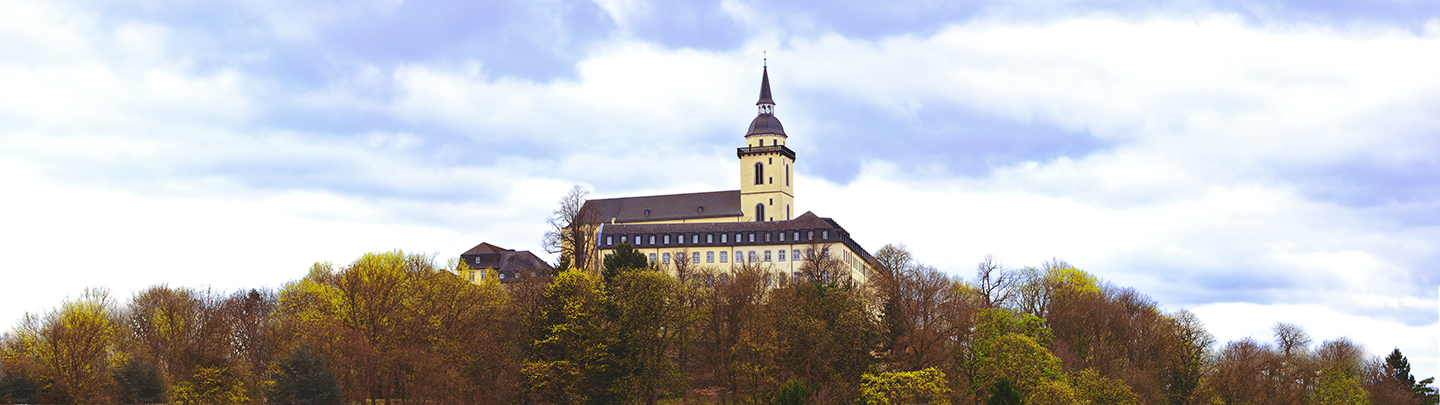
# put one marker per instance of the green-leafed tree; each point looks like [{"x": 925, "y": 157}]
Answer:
[
  {"x": 928, "y": 386},
  {"x": 646, "y": 315},
  {"x": 138, "y": 382},
  {"x": 571, "y": 361},
  {"x": 303, "y": 378},
  {"x": 625, "y": 257}
]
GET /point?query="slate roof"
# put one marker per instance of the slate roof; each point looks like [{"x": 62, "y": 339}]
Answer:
[
  {"x": 765, "y": 88},
  {"x": 766, "y": 124},
  {"x": 508, "y": 261},
  {"x": 715, "y": 204},
  {"x": 805, "y": 222}
]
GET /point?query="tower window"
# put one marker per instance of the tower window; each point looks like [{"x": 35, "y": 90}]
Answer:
[
  {"x": 787, "y": 175},
  {"x": 772, "y": 160},
  {"x": 759, "y": 212},
  {"x": 759, "y": 175}
]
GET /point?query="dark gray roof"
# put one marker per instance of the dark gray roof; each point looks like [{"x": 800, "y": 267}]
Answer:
[
  {"x": 506, "y": 260},
  {"x": 715, "y": 204},
  {"x": 765, "y": 124},
  {"x": 765, "y": 88},
  {"x": 805, "y": 222}
]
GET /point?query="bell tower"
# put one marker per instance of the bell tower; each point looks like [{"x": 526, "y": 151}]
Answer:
[{"x": 766, "y": 164}]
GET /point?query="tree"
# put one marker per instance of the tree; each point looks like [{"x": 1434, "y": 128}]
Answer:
[
  {"x": 571, "y": 357},
  {"x": 572, "y": 231},
  {"x": 625, "y": 257},
  {"x": 302, "y": 378},
  {"x": 647, "y": 315},
  {"x": 211, "y": 386},
  {"x": 138, "y": 382},
  {"x": 927, "y": 386},
  {"x": 993, "y": 283},
  {"x": 69, "y": 348}
]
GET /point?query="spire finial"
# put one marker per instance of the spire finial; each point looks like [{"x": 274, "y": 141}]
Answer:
[{"x": 765, "y": 59}]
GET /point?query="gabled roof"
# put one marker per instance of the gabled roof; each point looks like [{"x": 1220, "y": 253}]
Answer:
[
  {"x": 486, "y": 249},
  {"x": 715, "y": 204}
]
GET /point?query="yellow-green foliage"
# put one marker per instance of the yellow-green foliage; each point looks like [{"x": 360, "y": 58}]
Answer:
[
  {"x": 1340, "y": 387},
  {"x": 1070, "y": 279},
  {"x": 211, "y": 386},
  {"x": 1010, "y": 347},
  {"x": 574, "y": 346},
  {"x": 1053, "y": 392},
  {"x": 1090, "y": 387},
  {"x": 71, "y": 347},
  {"x": 926, "y": 386}
]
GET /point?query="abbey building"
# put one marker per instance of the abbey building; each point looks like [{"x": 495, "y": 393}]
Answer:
[{"x": 755, "y": 225}]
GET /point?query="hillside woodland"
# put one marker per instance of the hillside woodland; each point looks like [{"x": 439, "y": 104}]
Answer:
[{"x": 394, "y": 327}]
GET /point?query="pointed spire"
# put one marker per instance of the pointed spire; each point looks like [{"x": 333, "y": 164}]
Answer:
[{"x": 765, "y": 88}]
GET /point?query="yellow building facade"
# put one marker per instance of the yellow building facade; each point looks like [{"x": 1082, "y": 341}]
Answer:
[{"x": 754, "y": 226}]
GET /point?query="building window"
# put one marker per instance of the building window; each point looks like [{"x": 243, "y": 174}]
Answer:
[
  {"x": 752, "y": 237},
  {"x": 709, "y": 238},
  {"x": 825, "y": 253},
  {"x": 772, "y": 201},
  {"x": 795, "y": 254},
  {"x": 752, "y": 256},
  {"x": 772, "y": 160},
  {"x": 797, "y": 236},
  {"x": 809, "y": 254},
  {"x": 697, "y": 258},
  {"x": 665, "y": 258},
  {"x": 622, "y": 238},
  {"x": 710, "y": 256},
  {"x": 709, "y": 280},
  {"x": 724, "y": 279},
  {"x": 759, "y": 173},
  {"x": 477, "y": 259},
  {"x": 739, "y": 256},
  {"x": 767, "y": 236},
  {"x": 782, "y": 236},
  {"x": 825, "y": 276},
  {"x": 609, "y": 241},
  {"x": 502, "y": 275},
  {"x": 767, "y": 279},
  {"x": 700, "y": 209},
  {"x": 782, "y": 255},
  {"x": 787, "y": 211},
  {"x": 695, "y": 239},
  {"x": 810, "y": 235},
  {"x": 647, "y": 213},
  {"x": 667, "y": 239},
  {"x": 759, "y": 212},
  {"x": 652, "y": 258},
  {"x": 767, "y": 255},
  {"x": 652, "y": 239},
  {"x": 724, "y": 238},
  {"x": 787, "y": 175},
  {"x": 722, "y": 257},
  {"x": 472, "y": 276},
  {"x": 824, "y": 234}
]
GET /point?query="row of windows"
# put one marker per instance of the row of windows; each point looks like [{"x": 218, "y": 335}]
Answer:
[
  {"x": 739, "y": 237},
  {"x": 711, "y": 279},
  {"x": 740, "y": 256}
]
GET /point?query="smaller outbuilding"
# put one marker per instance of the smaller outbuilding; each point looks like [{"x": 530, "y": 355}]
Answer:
[{"x": 509, "y": 265}]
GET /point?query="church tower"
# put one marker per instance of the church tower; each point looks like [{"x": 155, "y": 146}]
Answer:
[{"x": 766, "y": 164}]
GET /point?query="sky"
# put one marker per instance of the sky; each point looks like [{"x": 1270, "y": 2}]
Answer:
[{"x": 1252, "y": 162}]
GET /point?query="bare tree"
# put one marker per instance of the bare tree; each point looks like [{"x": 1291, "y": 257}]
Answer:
[
  {"x": 994, "y": 284},
  {"x": 572, "y": 231}
]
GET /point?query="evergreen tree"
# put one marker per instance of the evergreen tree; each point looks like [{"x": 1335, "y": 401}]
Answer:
[
  {"x": 138, "y": 382},
  {"x": 1400, "y": 368},
  {"x": 624, "y": 258},
  {"x": 303, "y": 379},
  {"x": 1003, "y": 392}
]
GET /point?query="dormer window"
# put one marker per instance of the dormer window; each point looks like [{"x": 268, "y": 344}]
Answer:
[
  {"x": 700, "y": 209},
  {"x": 647, "y": 213}
]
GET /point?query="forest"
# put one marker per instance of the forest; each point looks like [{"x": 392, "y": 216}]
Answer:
[{"x": 396, "y": 327}]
